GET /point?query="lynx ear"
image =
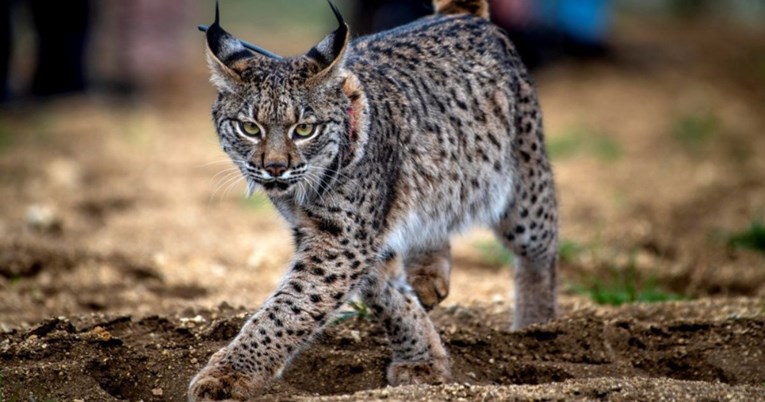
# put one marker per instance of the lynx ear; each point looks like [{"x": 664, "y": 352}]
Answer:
[
  {"x": 226, "y": 55},
  {"x": 329, "y": 53}
]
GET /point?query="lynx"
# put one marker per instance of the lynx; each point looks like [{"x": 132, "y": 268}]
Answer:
[{"x": 375, "y": 151}]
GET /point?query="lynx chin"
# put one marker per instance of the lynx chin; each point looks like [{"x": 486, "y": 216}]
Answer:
[{"x": 376, "y": 150}]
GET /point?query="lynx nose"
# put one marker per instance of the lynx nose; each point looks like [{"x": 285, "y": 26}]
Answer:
[{"x": 275, "y": 169}]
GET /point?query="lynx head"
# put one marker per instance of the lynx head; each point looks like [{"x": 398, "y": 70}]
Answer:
[{"x": 288, "y": 123}]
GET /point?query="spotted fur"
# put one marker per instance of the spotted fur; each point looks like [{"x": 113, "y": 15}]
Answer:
[{"x": 421, "y": 132}]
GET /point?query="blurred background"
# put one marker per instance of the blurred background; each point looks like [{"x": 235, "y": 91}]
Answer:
[{"x": 116, "y": 197}]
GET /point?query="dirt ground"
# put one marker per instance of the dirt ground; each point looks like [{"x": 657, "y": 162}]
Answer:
[
  {"x": 128, "y": 253},
  {"x": 709, "y": 348}
]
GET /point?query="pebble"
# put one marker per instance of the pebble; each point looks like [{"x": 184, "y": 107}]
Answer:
[
  {"x": 43, "y": 218},
  {"x": 197, "y": 319}
]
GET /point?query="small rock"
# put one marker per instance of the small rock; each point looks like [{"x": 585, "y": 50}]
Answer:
[
  {"x": 101, "y": 334},
  {"x": 42, "y": 218},
  {"x": 196, "y": 319},
  {"x": 157, "y": 392},
  {"x": 463, "y": 313},
  {"x": 102, "y": 337}
]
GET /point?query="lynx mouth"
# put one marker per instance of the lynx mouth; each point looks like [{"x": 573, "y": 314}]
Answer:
[{"x": 276, "y": 185}]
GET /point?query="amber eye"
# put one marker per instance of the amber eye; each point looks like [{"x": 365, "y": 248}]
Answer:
[
  {"x": 304, "y": 130},
  {"x": 249, "y": 129}
]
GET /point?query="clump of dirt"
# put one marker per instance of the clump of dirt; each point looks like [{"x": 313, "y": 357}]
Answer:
[
  {"x": 101, "y": 357},
  {"x": 19, "y": 259}
]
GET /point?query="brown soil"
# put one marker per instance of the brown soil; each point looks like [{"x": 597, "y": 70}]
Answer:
[
  {"x": 122, "y": 252},
  {"x": 713, "y": 346}
]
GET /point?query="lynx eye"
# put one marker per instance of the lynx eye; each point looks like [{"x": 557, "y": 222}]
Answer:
[
  {"x": 249, "y": 129},
  {"x": 304, "y": 130}
]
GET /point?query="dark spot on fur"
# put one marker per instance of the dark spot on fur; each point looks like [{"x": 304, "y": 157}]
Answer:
[
  {"x": 298, "y": 267},
  {"x": 330, "y": 227},
  {"x": 318, "y": 317}
]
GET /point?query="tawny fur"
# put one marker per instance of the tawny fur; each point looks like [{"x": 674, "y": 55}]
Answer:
[{"x": 479, "y": 8}]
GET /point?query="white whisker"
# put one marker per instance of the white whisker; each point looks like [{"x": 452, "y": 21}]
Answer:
[
  {"x": 218, "y": 162},
  {"x": 231, "y": 186},
  {"x": 335, "y": 171},
  {"x": 319, "y": 188},
  {"x": 251, "y": 187},
  {"x": 223, "y": 180},
  {"x": 229, "y": 179},
  {"x": 225, "y": 172}
]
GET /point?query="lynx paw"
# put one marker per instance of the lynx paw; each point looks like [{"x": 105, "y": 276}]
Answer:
[
  {"x": 437, "y": 371},
  {"x": 428, "y": 275},
  {"x": 218, "y": 381},
  {"x": 430, "y": 289}
]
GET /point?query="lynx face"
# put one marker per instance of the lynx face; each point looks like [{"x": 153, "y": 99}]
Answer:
[
  {"x": 283, "y": 122},
  {"x": 283, "y": 133}
]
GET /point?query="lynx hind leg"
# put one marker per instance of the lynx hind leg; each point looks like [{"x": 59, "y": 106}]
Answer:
[
  {"x": 530, "y": 232},
  {"x": 529, "y": 227},
  {"x": 418, "y": 355},
  {"x": 428, "y": 272}
]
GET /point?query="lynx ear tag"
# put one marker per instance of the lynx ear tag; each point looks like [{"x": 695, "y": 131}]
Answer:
[{"x": 228, "y": 56}]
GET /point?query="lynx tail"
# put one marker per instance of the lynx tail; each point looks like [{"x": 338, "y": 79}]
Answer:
[{"x": 479, "y": 8}]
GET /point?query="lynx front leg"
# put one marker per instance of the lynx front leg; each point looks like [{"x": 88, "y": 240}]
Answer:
[
  {"x": 323, "y": 274},
  {"x": 418, "y": 355},
  {"x": 428, "y": 272}
]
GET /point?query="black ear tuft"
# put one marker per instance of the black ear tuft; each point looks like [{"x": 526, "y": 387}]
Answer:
[
  {"x": 224, "y": 47},
  {"x": 340, "y": 21},
  {"x": 329, "y": 52},
  {"x": 220, "y": 31},
  {"x": 228, "y": 55}
]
